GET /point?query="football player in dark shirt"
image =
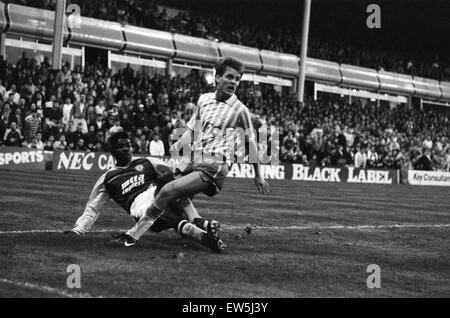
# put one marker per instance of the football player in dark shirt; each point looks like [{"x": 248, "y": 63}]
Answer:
[{"x": 133, "y": 184}]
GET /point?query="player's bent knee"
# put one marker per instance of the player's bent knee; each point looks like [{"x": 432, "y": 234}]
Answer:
[{"x": 169, "y": 192}]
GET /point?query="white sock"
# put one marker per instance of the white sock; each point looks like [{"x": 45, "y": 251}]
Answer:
[
  {"x": 141, "y": 227},
  {"x": 191, "y": 211},
  {"x": 190, "y": 230}
]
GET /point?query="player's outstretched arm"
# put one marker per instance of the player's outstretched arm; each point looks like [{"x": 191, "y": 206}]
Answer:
[
  {"x": 97, "y": 199},
  {"x": 245, "y": 122},
  {"x": 260, "y": 182}
]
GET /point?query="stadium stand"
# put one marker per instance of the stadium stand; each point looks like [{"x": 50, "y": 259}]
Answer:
[
  {"x": 216, "y": 25},
  {"x": 328, "y": 131}
]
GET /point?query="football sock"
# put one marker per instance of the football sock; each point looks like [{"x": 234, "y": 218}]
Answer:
[
  {"x": 190, "y": 230},
  {"x": 141, "y": 227},
  {"x": 191, "y": 212},
  {"x": 145, "y": 222},
  {"x": 201, "y": 223}
]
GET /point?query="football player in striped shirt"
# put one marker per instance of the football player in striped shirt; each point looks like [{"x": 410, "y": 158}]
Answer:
[
  {"x": 133, "y": 185},
  {"x": 217, "y": 122}
]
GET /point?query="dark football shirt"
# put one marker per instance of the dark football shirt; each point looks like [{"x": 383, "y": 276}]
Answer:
[{"x": 124, "y": 184}]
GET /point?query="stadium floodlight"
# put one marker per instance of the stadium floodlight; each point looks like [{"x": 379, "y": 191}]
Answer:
[
  {"x": 303, "y": 50},
  {"x": 58, "y": 36}
]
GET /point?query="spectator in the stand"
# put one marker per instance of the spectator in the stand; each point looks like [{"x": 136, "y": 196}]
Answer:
[
  {"x": 91, "y": 117},
  {"x": 13, "y": 136},
  {"x": 427, "y": 143},
  {"x": 176, "y": 119},
  {"x": 150, "y": 104},
  {"x": 437, "y": 161},
  {"x": 80, "y": 145},
  {"x": 372, "y": 157},
  {"x": 156, "y": 147},
  {"x": 399, "y": 159},
  {"x": 37, "y": 142},
  {"x": 100, "y": 108},
  {"x": 100, "y": 123},
  {"x": 39, "y": 101},
  {"x": 4, "y": 124},
  {"x": 91, "y": 138},
  {"x": 61, "y": 143},
  {"x": 126, "y": 123},
  {"x": 162, "y": 100},
  {"x": 424, "y": 162},
  {"x": 139, "y": 142},
  {"x": 128, "y": 74},
  {"x": 52, "y": 120},
  {"x": 165, "y": 135},
  {"x": 23, "y": 60},
  {"x": 446, "y": 166},
  {"x": 349, "y": 136},
  {"x": 32, "y": 125},
  {"x": 67, "y": 119},
  {"x": 74, "y": 137},
  {"x": 361, "y": 157},
  {"x": 337, "y": 158},
  {"x": 49, "y": 103},
  {"x": 338, "y": 137},
  {"x": 13, "y": 95},
  {"x": 16, "y": 116},
  {"x": 79, "y": 114},
  {"x": 100, "y": 145},
  {"x": 140, "y": 117},
  {"x": 2, "y": 90},
  {"x": 8, "y": 105},
  {"x": 288, "y": 141}
]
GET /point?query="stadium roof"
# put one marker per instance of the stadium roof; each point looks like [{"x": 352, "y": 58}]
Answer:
[{"x": 406, "y": 24}]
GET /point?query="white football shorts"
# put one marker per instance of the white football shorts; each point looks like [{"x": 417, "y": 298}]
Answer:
[{"x": 142, "y": 202}]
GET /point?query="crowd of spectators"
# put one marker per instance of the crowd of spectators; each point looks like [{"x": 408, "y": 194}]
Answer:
[
  {"x": 331, "y": 131},
  {"x": 75, "y": 110},
  {"x": 230, "y": 26}
]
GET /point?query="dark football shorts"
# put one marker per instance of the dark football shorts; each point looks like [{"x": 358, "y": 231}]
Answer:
[{"x": 214, "y": 173}]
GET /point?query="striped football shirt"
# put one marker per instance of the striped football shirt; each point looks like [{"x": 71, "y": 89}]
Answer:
[{"x": 218, "y": 126}]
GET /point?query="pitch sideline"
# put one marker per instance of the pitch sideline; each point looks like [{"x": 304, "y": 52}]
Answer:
[
  {"x": 46, "y": 289},
  {"x": 255, "y": 227}
]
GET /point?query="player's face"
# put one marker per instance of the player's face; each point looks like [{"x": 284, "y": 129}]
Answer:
[
  {"x": 228, "y": 82},
  {"x": 122, "y": 151}
]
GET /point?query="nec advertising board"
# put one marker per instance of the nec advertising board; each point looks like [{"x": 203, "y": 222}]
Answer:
[
  {"x": 21, "y": 158},
  {"x": 86, "y": 161},
  {"x": 82, "y": 161},
  {"x": 429, "y": 178},
  {"x": 101, "y": 162}
]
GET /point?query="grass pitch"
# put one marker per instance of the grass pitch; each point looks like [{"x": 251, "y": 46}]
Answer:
[{"x": 307, "y": 240}]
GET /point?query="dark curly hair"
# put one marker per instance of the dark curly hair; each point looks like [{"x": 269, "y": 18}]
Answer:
[{"x": 230, "y": 62}]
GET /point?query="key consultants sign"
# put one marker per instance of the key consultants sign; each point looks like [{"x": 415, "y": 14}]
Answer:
[
  {"x": 429, "y": 178},
  {"x": 21, "y": 158}
]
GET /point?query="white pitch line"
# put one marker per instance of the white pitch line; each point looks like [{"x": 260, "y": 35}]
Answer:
[
  {"x": 343, "y": 227},
  {"x": 46, "y": 289},
  {"x": 54, "y": 231},
  {"x": 292, "y": 227}
]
